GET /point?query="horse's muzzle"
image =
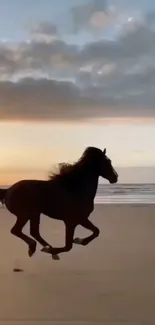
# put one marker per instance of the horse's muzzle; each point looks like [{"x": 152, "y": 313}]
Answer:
[{"x": 114, "y": 179}]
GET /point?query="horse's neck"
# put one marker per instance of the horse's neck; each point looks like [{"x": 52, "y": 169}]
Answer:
[{"x": 90, "y": 185}]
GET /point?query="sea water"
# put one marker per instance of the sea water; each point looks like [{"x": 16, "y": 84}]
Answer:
[{"x": 126, "y": 193}]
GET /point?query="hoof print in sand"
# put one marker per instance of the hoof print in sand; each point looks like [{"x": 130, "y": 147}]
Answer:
[{"x": 17, "y": 270}]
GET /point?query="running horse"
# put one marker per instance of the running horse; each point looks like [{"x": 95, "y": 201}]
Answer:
[{"x": 67, "y": 196}]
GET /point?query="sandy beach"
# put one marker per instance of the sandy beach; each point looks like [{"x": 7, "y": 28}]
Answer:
[{"x": 110, "y": 282}]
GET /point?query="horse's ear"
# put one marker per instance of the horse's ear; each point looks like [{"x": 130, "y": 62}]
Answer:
[{"x": 104, "y": 151}]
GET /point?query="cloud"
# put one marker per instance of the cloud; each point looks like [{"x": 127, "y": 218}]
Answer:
[
  {"x": 95, "y": 14},
  {"x": 44, "y": 99},
  {"x": 132, "y": 43},
  {"x": 43, "y": 31},
  {"x": 52, "y": 57},
  {"x": 36, "y": 57},
  {"x": 43, "y": 27},
  {"x": 58, "y": 80},
  {"x": 150, "y": 18}
]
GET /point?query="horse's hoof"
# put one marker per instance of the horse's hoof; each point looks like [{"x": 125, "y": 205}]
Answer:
[
  {"x": 56, "y": 257},
  {"x": 32, "y": 248},
  {"x": 46, "y": 249},
  {"x": 78, "y": 241}
]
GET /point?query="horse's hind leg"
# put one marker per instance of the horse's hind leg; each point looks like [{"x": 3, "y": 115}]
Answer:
[
  {"x": 34, "y": 230},
  {"x": 17, "y": 231}
]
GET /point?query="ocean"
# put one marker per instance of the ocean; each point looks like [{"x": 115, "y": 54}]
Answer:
[{"x": 124, "y": 194}]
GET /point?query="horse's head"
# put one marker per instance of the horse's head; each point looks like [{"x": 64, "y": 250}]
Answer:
[
  {"x": 107, "y": 171},
  {"x": 96, "y": 161}
]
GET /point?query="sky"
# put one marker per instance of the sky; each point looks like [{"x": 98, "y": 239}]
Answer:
[{"x": 76, "y": 73}]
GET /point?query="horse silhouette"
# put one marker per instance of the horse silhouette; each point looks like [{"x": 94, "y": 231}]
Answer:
[{"x": 67, "y": 196}]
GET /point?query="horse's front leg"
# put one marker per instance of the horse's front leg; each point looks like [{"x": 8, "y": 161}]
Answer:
[
  {"x": 70, "y": 228},
  {"x": 88, "y": 225}
]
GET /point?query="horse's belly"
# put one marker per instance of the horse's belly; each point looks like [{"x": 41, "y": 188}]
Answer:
[
  {"x": 56, "y": 208},
  {"x": 64, "y": 207}
]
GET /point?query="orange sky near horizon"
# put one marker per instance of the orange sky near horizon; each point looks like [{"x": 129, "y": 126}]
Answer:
[{"x": 28, "y": 149}]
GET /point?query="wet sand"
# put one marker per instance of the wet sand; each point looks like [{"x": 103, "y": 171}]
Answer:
[{"x": 110, "y": 282}]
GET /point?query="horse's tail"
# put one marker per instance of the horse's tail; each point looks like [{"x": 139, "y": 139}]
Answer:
[{"x": 2, "y": 194}]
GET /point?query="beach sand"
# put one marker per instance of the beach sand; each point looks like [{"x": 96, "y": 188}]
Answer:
[{"x": 110, "y": 282}]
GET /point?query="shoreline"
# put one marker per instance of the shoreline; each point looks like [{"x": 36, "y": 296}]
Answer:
[{"x": 126, "y": 203}]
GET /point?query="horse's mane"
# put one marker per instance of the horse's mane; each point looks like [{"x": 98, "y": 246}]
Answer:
[{"x": 71, "y": 172}]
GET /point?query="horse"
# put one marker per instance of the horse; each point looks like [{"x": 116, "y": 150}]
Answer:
[{"x": 67, "y": 195}]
